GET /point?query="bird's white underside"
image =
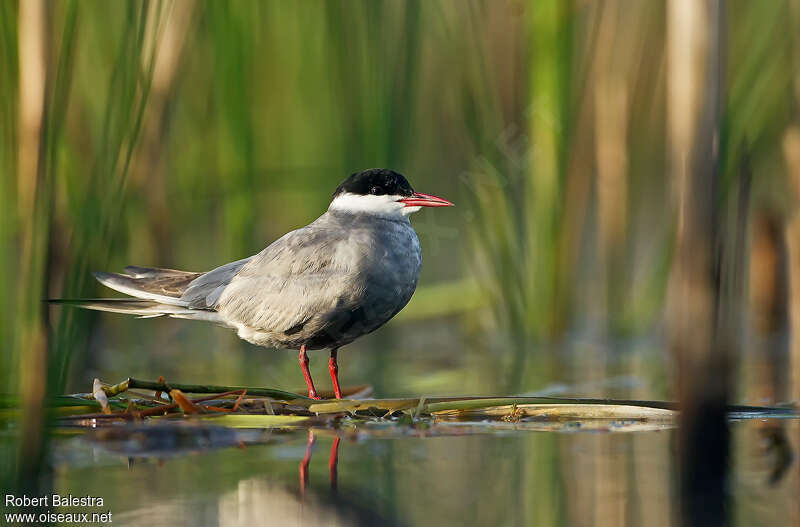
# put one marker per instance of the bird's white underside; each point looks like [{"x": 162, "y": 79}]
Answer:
[{"x": 383, "y": 206}]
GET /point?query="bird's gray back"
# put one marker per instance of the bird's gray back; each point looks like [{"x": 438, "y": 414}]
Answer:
[{"x": 323, "y": 285}]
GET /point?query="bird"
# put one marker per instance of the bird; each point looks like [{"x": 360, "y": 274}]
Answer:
[{"x": 321, "y": 286}]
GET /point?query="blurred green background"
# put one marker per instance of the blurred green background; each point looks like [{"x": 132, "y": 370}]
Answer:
[{"x": 192, "y": 133}]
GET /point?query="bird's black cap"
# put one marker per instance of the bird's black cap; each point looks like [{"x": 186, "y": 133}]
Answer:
[{"x": 376, "y": 181}]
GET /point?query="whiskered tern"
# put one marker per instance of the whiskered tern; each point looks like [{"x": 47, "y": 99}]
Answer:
[{"x": 318, "y": 287}]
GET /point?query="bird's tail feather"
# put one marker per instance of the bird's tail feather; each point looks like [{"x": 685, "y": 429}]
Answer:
[
  {"x": 161, "y": 285},
  {"x": 156, "y": 293},
  {"x": 140, "y": 308}
]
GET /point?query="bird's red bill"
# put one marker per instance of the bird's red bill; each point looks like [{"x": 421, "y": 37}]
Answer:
[{"x": 426, "y": 200}]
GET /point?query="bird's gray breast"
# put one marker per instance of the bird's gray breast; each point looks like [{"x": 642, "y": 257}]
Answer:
[{"x": 385, "y": 263}]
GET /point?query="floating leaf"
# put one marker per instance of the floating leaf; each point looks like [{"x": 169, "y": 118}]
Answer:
[
  {"x": 348, "y": 405},
  {"x": 516, "y": 412},
  {"x": 258, "y": 420}
]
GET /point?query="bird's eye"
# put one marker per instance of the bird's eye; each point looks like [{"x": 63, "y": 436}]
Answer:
[{"x": 375, "y": 191}]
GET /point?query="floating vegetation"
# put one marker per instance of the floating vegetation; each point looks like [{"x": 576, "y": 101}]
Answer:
[
  {"x": 142, "y": 421},
  {"x": 136, "y": 402}
]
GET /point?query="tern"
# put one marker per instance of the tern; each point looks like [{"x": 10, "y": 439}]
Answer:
[{"x": 318, "y": 287}]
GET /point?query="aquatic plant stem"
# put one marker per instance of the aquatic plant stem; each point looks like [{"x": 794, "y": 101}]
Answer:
[{"x": 131, "y": 383}]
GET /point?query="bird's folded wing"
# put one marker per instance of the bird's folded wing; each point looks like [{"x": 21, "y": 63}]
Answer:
[
  {"x": 296, "y": 278},
  {"x": 204, "y": 291}
]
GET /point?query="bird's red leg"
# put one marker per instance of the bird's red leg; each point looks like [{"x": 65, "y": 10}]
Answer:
[
  {"x": 307, "y": 374},
  {"x": 333, "y": 367}
]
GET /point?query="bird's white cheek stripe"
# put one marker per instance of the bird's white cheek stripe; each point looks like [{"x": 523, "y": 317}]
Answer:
[{"x": 386, "y": 206}]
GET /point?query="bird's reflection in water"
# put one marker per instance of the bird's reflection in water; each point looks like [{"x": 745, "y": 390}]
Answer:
[
  {"x": 304, "y": 463},
  {"x": 333, "y": 462}
]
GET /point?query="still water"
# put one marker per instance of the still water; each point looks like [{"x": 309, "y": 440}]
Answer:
[
  {"x": 432, "y": 474},
  {"x": 387, "y": 473}
]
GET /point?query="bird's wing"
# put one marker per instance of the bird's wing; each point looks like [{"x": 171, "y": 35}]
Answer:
[
  {"x": 204, "y": 291},
  {"x": 305, "y": 274}
]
